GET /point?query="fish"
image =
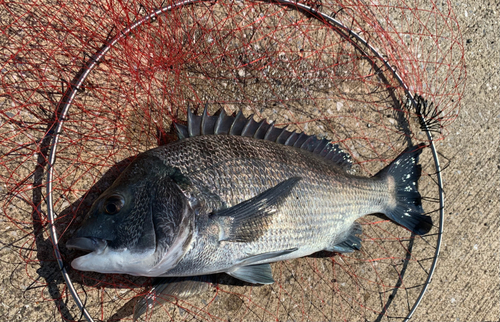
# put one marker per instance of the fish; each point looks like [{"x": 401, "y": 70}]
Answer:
[{"x": 233, "y": 195}]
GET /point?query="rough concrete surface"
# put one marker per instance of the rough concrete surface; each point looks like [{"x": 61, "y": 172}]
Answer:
[{"x": 466, "y": 283}]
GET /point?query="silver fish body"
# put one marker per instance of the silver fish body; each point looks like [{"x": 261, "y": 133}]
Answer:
[
  {"x": 231, "y": 203},
  {"x": 319, "y": 210}
]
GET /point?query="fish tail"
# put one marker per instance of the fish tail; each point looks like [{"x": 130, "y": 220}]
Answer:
[{"x": 403, "y": 174}]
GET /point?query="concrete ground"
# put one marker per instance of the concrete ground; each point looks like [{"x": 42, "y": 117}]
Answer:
[{"x": 466, "y": 282}]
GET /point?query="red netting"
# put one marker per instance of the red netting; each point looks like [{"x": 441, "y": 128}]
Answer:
[{"x": 263, "y": 57}]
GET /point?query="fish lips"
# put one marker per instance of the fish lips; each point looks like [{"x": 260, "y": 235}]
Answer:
[{"x": 88, "y": 244}]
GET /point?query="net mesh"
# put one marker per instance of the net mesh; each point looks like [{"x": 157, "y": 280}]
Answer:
[{"x": 262, "y": 57}]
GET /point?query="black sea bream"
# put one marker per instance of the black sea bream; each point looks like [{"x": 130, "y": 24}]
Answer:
[{"x": 233, "y": 195}]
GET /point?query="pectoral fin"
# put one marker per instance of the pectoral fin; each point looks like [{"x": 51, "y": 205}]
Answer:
[{"x": 249, "y": 220}]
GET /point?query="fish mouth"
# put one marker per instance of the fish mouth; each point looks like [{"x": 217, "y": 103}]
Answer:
[{"x": 88, "y": 244}]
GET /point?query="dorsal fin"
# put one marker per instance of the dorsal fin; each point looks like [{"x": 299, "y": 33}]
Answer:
[
  {"x": 194, "y": 122},
  {"x": 221, "y": 123},
  {"x": 238, "y": 124},
  {"x": 207, "y": 122}
]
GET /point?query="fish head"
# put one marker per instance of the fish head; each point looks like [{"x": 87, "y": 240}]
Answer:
[{"x": 141, "y": 225}]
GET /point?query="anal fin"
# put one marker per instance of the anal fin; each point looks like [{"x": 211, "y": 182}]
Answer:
[{"x": 348, "y": 242}]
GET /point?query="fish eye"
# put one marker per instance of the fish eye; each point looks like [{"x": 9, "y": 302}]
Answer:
[{"x": 113, "y": 204}]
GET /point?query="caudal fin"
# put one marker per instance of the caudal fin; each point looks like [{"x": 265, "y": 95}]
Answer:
[{"x": 405, "y": 171}]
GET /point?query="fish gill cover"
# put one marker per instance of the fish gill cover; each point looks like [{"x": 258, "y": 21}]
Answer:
[{"x": 124, "y": 80}]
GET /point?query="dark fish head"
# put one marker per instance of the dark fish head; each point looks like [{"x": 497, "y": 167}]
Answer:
[{"x": 141, "y": 225}]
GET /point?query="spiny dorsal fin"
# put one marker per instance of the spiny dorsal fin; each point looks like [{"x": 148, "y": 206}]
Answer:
[
  {"x": 194, "y": 122},
  {"x": 207, "y": 122},
  {"x": 221, "y": 123},
  {"x": 238, "y": 124}
]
